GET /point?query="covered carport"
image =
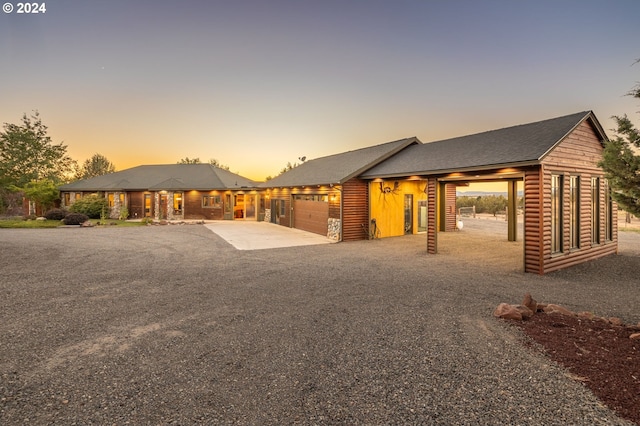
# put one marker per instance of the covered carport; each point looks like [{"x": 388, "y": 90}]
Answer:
[{"x": 569, "y": 217}]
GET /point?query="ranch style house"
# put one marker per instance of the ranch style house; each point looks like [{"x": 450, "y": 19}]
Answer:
[{"x": 403, "y": 187}]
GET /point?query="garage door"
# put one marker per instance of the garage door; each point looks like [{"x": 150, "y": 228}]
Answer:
[{"x": 311, "y": 214}]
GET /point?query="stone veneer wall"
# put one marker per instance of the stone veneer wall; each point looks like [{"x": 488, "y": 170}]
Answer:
[
  {"x": 115, "y": 210},
  {"x": 267, "y": 215},
  {"x": 334, "y": 227}
]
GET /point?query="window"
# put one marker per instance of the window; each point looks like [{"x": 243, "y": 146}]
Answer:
[
  {"x": 595, "y": 210},
  {"x": 556, "y": 213},
  {"x": 311, "y": 197},
  {"x": 608, "y": 212},
  {"x": 282, "y": 208},
  {"x": 574, "y": 211},
  {"x": 177, "y": 202},
  {"x": 227, "y": 201},
  {"x": 212, "y": 201},
  {"x": 147, "y": 205},
  {"x": 121, "y": 198},
  {"x": 110, "y": 197},
  {"x": 67, "y": 198}
]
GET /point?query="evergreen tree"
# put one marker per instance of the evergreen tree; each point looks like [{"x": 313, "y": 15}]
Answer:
[{"x": 621, "y": 162}]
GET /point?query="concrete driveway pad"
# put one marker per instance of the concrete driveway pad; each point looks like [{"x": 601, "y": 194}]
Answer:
[{"x": 263, "y": 235}]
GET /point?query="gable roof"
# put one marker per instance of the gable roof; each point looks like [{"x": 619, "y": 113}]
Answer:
[
  {"x": 339, "y": 168},
  {"x": 172, "y": 177},
  {"x": 512, "y": 146}
]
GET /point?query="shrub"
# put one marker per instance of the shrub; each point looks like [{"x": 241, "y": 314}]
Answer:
[
  {"x": 91, "y": 205},
  {"x": 56, "y": 214},
  {"x": 75, "y": 219},
  {"x": 124, "y": 213}
]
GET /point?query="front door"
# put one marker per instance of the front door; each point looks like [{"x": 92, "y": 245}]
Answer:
[
  {"x": 422, "y": 216},
  {"x": 147, "y": 205},
  {"x": 163, "y": 206},
  {"x": 250, "y": 206},
  {"x": 408, "y": 214},
  {"x": 238, "y": 206}
]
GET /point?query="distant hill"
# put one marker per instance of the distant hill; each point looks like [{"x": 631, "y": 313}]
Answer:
[{"x": 484, "y": 193}]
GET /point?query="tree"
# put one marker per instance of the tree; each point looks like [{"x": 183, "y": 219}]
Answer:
[
  {"x": 187, "y": 160},
  {"x": 621, "y": 163},
  {"x": 622, "y": 166},
  {"x": 212, "y": 161},
  {"x": 27, "y": 154},
  {"x": 43, "y": 192},
  {"x": 217, "y": 164},
  {"x": 97, "y": 165}
]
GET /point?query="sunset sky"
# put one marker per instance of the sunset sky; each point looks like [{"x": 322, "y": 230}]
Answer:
[{"x": 257, "y": 84}]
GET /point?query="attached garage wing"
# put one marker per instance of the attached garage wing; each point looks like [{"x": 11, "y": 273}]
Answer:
[{"x": 311, "y": 213}]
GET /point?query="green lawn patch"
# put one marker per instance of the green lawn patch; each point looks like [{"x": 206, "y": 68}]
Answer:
[{"x": 20, "y": 223}]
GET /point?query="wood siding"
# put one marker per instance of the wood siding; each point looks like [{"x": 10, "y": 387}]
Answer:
[
  {"x": 577, "y": 155},
  {"x": 281, "y": 194},
  {"x": 136, "y": 205},
  {"x": 533, "y": 222},
  {"x": 193, "y": 208},
  {"x": 432, "y": 203},
  {"x": 355, "y": 210},
  {"x": 450, "y": 207}
]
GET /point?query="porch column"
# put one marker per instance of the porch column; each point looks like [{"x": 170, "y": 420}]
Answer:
[
  {"x": 432, "y": 216},
  {"x": 512, "y": 210}
]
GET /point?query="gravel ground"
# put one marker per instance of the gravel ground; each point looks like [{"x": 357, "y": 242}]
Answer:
[{"x": 171, "y": 325}]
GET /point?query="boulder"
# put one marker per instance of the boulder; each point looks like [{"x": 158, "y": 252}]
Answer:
[
  {"x": 530, "y": 302},
  {"x": 557, "y": 309},
  {"x": 586, "y": 315},
  {"x": 615, "y": 321},
  {"x": 513, "y": 312}
]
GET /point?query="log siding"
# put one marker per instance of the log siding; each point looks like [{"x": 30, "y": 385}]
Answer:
[
  {"x": 355, "y": 210},
  {"x": 577, "y": 155}
]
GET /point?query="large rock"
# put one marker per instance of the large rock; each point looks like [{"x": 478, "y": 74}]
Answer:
[
  {"x": 557, "y": 309},
  {"x": 530, "y": 302},
  {"x": 512, "y": 312}
]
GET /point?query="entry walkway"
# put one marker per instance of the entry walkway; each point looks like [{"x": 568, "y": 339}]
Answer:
[{"x": 250, "y": 235}]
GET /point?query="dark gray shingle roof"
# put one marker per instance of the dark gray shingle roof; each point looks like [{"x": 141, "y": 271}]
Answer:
[
  {"x": 177, "y": 177},
  {"x": 526, "y": 143},
  {"x": 338, "y": 168}
]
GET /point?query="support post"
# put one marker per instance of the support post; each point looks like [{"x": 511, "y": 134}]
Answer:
[{"x": 512, "y": 210}]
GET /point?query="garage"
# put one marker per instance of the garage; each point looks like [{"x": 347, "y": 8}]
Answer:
[{"x": 311, "y": 213}]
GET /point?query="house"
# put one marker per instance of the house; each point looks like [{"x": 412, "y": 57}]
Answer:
[
  {"x": 404, "y": 187},
  {"x": 325, "y": 195},
  {"x": 569, "y": 216},
  {"x": 173, "y": 191}
]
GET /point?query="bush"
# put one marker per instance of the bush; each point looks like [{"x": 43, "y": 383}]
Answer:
[
  {"x": 56, "y": 214},
  {"x": 75, "y": 219},
  {"x": 91, "y": 205}
]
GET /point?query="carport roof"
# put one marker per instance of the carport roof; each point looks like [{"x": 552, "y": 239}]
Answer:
[
  {"x": 171, "y": 177},
  {"x": 339, "y": 168},
  {"x": 511, "y": 146}
]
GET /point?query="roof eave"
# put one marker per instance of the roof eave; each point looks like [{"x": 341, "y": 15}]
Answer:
[
  {"x": 410, "y": 141},
  {"x": 431, "y": 173}
]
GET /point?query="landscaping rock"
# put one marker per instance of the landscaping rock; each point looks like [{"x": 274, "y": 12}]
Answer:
[
  {"x": 530, "y": 302},
  {"x": 514, "y": 312},
  {"x": 615, "y": 321},
  {"x": 557, "y": 309}
]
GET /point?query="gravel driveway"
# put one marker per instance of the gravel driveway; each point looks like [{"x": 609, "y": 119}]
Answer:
[{"x": 172, "y": 325}]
